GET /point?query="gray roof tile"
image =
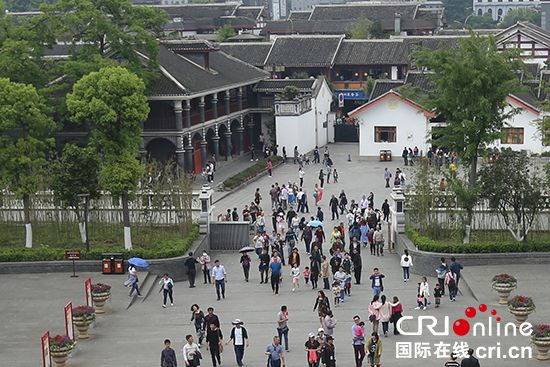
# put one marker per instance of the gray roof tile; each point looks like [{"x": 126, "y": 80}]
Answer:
[
  {"x": 278, "y": 85},
  {"x": 253, "y": 53},
  {"x": 382, "y": 86},
  {"x": 304, "y": 51},
  {"x": 372, "y": 52}
]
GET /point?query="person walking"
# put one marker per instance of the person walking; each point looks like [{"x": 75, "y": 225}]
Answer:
[
  {"x": 269, "y": 167},
  {"x": 456, "y": 268},
  {"x": 406, "y": 262},
  {"x": 245, "y": 263},
  {"x": 377, "y": 284},
  {"x": 197, "y": 318},
  {"x": 190, "y": 265},
  {"x": 301, "y": 174},
  {"x": 167, "y": 287},
  {"x": 405, "y": 155},
  {"x": 220, "y": 278},
  {"x": 386, "y": 210},
  {"x": 282, "y": 326},
  {"x": 275, "y": 275},
  {"x": 329, "y": 323},
  {"x": 315, "y": 269},
  {"x": 452, "y": 362},
  {"x": 450, "y": 281},
  {"x": 275, "y": 353},
  {"x": 385, "y": 315},
  {"x": 263, "y": 266},
  {"x": 133, "y": 281},
  {"x": 396, "y": 314},
  {"x": 387, "y": 176},
  {"x": 358, "y": 340},
  {"x": 378, "y": 238},
  {"x": 333, "y": 203},
  {"x": 214, "y": 343},
  {"x": 374, "y": 347},
  {"x": 325, "y": 272},
  {"x": 328, "y": 355},
  {"x": 307, "y": 236},
  {"x": 168, "y": 355},
  {"x": 374, "y": 312},
  {"x": 321, "y": 178},
  {"x": 239, "y": 337},
  {"x": 210, "y": 318},
  {"x": 204, "y": 260},
  {"x": 322, "y": 305},
  {"x": 357, "y": 265},
  {"x": 313, "y": 350},
  {"x": 441, "y": 271},
  {"x": 191, "y": 352}
]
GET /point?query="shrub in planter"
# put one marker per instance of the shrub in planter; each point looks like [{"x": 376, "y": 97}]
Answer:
[
  {"x": 61, "y": 347},
  {"x": 100, "y": 294},
  {"x": 540, "y": 337},
  {"x": 521, "y": 307}
]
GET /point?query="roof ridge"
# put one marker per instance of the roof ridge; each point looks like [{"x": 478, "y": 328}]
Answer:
[{"x": 242, "y": 62}]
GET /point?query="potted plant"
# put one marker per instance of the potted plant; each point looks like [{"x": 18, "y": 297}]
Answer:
[
  {"x": 82, "y": 318},
  {"x": 61, "y": 347},
  {"x": 503, "y": 284},
  {"x": 100, "y": 294},
  {"x": 540, "y": 337},
  {"x": 521, "y": 307}
]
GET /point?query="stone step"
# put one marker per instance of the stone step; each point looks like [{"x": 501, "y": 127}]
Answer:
[{"x": 144, "y": 277}]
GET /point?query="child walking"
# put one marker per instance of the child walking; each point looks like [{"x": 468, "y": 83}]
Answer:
[
  {"x": 437, "y": 295},
  {"x": 295, "y": 273},
  {"x": 347, "y": 284},
  {"x": 336, "y": 290},
  {"x": 307, "y": 273}
]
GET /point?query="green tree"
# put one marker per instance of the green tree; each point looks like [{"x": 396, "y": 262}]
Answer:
[
  {"x": 74, "y": 174},
  {"x": 289, "y": 93},
  {"x": 482, "y": 22},
  {"x": 470, "y": 86},
  {"x": 457, "y": 10},
  {"x": 513, "y": 188},
  {"x": 362, "y": 29},
  {"x": 23, "y": 5},
  {"x": 113, "y": 103},
  {"x": 25, "y": 128},
  {"x": 107, "y": 28},
  {"x": 520, "y": 15},
  {"x": 226, "y": 32}
]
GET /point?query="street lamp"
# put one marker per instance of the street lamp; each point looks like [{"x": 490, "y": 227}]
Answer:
[{"x": 86, "y": 198}]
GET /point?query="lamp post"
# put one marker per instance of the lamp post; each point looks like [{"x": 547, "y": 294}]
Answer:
[{"x": 86, "y": 198}]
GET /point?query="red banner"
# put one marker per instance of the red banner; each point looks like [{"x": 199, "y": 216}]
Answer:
[
  {"x": 46, "y": 357},
  {"x": 88, "y": 288},
  {"x": 69, "y": 326}
]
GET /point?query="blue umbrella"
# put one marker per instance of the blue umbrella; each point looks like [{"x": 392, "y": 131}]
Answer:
[
  {"x": 136, "y": 261},
  {"x": 315, "y": 223}
]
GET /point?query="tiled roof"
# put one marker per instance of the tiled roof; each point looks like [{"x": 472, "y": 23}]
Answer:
[
  {"x": 299, "y": 15},
  {"x": 528, "y": 98},
  {"x": 278, "y": 85},
  {"x": 382, "y": 86},
  {"x": 225, "y": 71},
  {"x": 418, "y": 79},
  {"x": 164, "y": 86},
  {"x": 190, "y": 46},
  {"x": 532, "y": 70},
  {"x": 526, "y": 28},
  {"x": 288, "y": 27},
  {"x": 198, "y": 11},
  {"x": 304, "y": 51},
  {"x": 253, "y": 53},
  {"x": 431, "y": 42},
  {"x": 372, "y": 52},
  {"x": 252, "y": 12}
]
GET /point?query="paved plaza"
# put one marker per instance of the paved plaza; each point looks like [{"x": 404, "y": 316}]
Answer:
[{"x": 32, "y": 303}]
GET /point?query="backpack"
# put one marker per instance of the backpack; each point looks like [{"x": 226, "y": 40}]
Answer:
[
  {"x": 170, "y": 286},
  {"x": 452, "y": 282}
]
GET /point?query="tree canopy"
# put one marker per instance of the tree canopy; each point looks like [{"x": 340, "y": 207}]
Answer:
[
  {"x": 226, "y": 32},
  {"x": 457, "y": 10},
  {"x": 520, "y": 15},
  {"x": 482, "y": 22}
]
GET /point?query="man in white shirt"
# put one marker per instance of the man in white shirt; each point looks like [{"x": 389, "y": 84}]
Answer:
[
  {"x": 239, "y": 336},
  {"x": 220, "y": 277},
  {"x": 191, "y": 352}
]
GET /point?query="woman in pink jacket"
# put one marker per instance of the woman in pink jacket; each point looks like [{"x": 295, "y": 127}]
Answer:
[{"x": 374, "y": 313}]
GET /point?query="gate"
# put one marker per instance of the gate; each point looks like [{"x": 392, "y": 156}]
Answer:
[
  {"x": 229, "y": 235},
  {"x": 346, "y": 133}
]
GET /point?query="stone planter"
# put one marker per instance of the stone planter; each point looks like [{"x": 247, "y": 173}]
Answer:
[
  {"x": 82, "y": 324},
  {"x": 543, "y": 346},
  {"x": 521, "y": 313},
  {"x": 99, "y": 301},
  {"x": 60, "y": 356},
  {"x": 503, "y": 290}
]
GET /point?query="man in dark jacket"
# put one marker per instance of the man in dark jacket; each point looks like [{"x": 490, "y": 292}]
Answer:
[
  {"x": 191, "y": 269},
  {"x": 239, "y": 336},
  {"x": 327, "y": 354},
  {"x": 357, "y": 265},
  {"x": 211, "y": 318},
  {"x": 168, "y": 356},
  {"x": 456, "y": 268},
  {"x": 386, "y": 210},
  {"x": 333, "y": 203},
  {"x": 214, "y": 338},
  {"x": 470, "y": 361},
  {"x": 335, "y": 263}
]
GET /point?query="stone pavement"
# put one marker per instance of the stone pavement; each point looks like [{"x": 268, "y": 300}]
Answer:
[{"x": 33, "y": 303}]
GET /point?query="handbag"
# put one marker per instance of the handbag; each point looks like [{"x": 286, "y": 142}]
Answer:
[{"x": 372, "y": 318}]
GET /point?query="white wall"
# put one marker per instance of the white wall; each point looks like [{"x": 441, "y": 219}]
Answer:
[
  {"x": 294, "y": 131},
  {"x": 411, "y": 127},
  {"x": 321, "y": 105},
  {"x": 532, "y": 140}
]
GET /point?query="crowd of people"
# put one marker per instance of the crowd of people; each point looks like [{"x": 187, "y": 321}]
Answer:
[{"x": 330, "y": 262}]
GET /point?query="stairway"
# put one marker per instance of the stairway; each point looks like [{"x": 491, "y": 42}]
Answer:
[{"x": 147, "y": 283}]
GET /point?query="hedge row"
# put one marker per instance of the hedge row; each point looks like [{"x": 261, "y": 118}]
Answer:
[
  {"x": 425, "y": 243},
  {"x": 250, "y": 172},
  {"x": 164, "y": 249}
]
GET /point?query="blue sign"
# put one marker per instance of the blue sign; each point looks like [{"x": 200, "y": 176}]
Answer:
[{"x": 351, "y": 94}]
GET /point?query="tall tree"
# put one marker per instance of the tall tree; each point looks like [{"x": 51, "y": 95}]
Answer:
[
  {"x": 513, "y": 188},
  {"x": 74, "y": 174},
  {"x": 25, "y": 128},
  {"x": 520, "y": 15},
  {"x": 23, "y": 5},
  {"x": 225, "y": 33},
  {"x": 112, "y": 28},
  {"x": 362, "y": 29},
  {"x": 484, "y": 21},
  {"x": 470, "y": 86},
  {"x": 457, "y": 10},
  {"x": 113, "y": 103}
]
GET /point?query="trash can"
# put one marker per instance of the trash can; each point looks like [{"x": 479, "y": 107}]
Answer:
[
  {"x": 112, "y": 263},
  {"x": 388, "y": 155},
  {"x": 382, "y": 155}
]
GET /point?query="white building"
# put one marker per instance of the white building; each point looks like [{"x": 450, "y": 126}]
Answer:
[
  {"x": 392, "y": 122},
  {"x": 306, "y": 121},
  {"x": 499, "y": 8}
]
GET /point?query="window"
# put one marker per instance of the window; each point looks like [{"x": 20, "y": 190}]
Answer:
[
  {"x": 385, "y": 134},
  {"x": 512, "y": 135},
  {"x": 479, "y": 12}
]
